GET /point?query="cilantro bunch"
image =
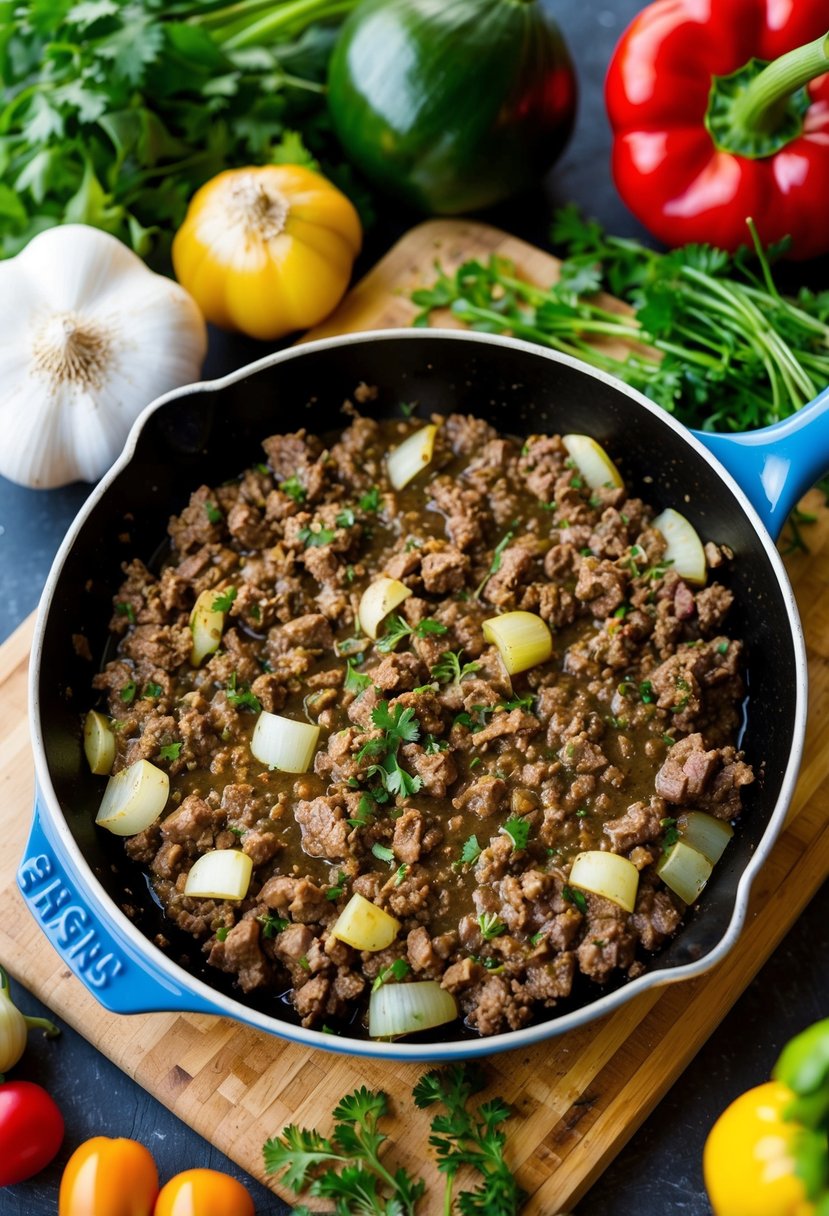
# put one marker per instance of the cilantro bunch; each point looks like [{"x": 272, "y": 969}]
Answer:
[
  {"x": 346, "y": 1166},
  {"x": 116, "y": 111},
  {"x": 717, "y": 344}
]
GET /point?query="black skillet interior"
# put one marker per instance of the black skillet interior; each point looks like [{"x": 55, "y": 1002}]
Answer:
[{"x": 208, "y": 437}]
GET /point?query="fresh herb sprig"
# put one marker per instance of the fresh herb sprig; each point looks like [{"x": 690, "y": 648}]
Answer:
[
  {"x": 399, "y": 725},
  {"x": 494, "y": 565},
  {"x": 729, "y": 351},
  {"x": 397, "y": 629},
  {"x": 463, "y": 1137},
  {"x": 347, "y": 1166},
  {"x": 449, "y": 670}
]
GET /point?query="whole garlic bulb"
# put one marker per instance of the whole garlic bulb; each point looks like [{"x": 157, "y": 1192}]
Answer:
[{"x": 88, "y": 337}]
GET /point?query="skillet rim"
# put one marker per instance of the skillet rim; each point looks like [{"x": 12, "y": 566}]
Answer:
[{"x": 175, "y": 976}]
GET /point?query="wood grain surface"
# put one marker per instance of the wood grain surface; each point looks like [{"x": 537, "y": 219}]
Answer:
[{"x": 577, "y": 1098}]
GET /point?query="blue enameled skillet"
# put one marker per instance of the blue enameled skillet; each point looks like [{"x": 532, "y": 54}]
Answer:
[{"x": 96, "y": 908}]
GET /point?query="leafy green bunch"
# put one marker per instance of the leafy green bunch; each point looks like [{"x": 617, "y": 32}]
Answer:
[
  {"x": 346, "y": 1166},
  {"x": 711, "y": 337},
  {"x": 116, "y": 112}
]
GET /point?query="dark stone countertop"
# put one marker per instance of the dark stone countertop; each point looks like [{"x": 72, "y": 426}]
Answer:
[{"x": 659, "y": 1172}]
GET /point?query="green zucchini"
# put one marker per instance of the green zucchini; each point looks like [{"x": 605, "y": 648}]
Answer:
[{"x": 451, "y": 105}]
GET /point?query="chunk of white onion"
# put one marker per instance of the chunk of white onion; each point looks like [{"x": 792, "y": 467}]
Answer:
[
  {"x": 206, "y": 625},
  {"x": 685, "y": 870},
  {"x": 684, "y": 551},
  {"x": 378, "y": 600},
  {"x": 592, "y": 461},
  {"x": 704, "y": 833},
  {"x": 220, "y": 874},
  {"x": 522, "y": 638},
  {"x": 133, "y": 799},
  {"x": 98, "y": 743},
  {"x": 364, "y": 926},
  {"x": 396, "y": 1009},
  {"x": 607, "y": 874},
  {"x": 411, "y": 457},
  {"x": 284, "y": 743}
]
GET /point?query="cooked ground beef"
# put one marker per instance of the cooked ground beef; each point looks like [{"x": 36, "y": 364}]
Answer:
[{"x": 467, "y": 831}]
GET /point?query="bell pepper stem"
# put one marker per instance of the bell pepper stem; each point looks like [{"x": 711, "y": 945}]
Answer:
[{"x": 761, "y": 105}]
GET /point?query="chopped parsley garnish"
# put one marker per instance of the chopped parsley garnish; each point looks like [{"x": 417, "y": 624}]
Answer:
[
  {"x": 471, "y": 851},
  {"x": 294, "y": 488},
  {"x": 397, "y": 629},
  {"x": 722, "y": 648},
  {"x": 576, "y": 483},
  {"x": 222, "y": 932},
  {"x": 646, "y": 692},
  {"x": 536, "y": 937},
  {"x": 448, "y": 669},
  {"x": 432, "y": 745},
  {"x": 255, "y": 612},
  {"x": 491, "y": 926},
  {"x": 495, "y": 564},
  {"x": 263, "y": 469},
  {"x": 345, "y": 518},
  {"x": 213, "y": 513},
  {"x": 240, "y": 695},
  {"x": 339, "y": 886},
  {"x": 350, "y": 574},
  {"x": 400, "y": 873},
  {"x": 414, "y": 542},
  {"x": 355, "y": 681},
  {"x": 476, "y": 718},
  {"x": 669, "y": 740},
  {"x": 237, "y": 832},
  {"x": 128, "y": 692},
  {"x": 223, "y": 600},
  {"x": 475, "y": 761},
  {"x": 382, "y": 852},
  {"x": 671, "y": 833},
  {"x": 576, "y": 898},
  {"x": 304, "y": 964},
  {"x": 407, "y": 408},
  {"x": 370, "y": 501},
  {"x": 127, "y": 610},
  {"x": 518, "y": 831},
  {"x": 621, "y": 612},
  {"x": 152, "y": 691},
  {"x": 365, "y": 812},
  {"x": 582, "y": 812},
  {"x": 170, "y": 751},
  {"x": 271, "y": 925},
  {"x": 315, "y": 536},
  {"x": 548, "y": 506},
  {"x": 396, "y": 971}
]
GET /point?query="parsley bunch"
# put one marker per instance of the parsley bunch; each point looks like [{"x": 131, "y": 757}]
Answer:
[
  {"x": 346, "y": 1166},
  {"x": 729, "y": 351},
  {"x": 115, "y": 113}
]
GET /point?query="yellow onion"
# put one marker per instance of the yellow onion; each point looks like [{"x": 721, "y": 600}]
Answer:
[{"x": 15, "y": 1026}]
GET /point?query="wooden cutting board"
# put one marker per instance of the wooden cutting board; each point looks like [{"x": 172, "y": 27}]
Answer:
[{"x": 577, "y": 1098}]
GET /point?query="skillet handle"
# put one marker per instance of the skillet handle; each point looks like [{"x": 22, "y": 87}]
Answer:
[
  {"x": 776, "y": 465},
  {"x": 105, "y": 962}
]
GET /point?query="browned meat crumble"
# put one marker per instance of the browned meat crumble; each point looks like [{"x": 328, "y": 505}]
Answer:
[{"x": 633, "y": 719}]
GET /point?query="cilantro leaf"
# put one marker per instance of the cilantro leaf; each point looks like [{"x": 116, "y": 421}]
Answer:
[
  {"x": 491, "y": 926},
  {"x": 315, "y": 536},
  {"x": 518, "y": 831},
  {"x": 294, "y": 488},
  {"x": 170, "y": 751},
  {"x": 355, "y": 681},
  {"x": 241, "y": 696},
  {"x": 448, "y": 669},
  {"x": 397, "y": 629},
  {"x": 224, "y": 600},
  {"x": 471, "y": 850},
  {"x": 576, "y": 898},
  {"x": 396, "y": 971},
  {"x": 370, "y": 501}
]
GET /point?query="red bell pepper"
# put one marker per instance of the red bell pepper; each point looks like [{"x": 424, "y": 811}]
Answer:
[{"x": 720, "y": 111}]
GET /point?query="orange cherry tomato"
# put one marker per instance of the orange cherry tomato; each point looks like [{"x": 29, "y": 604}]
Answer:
[
  {"x": 105, "y": 1177},
  {"x": 203, "y": 1193}
]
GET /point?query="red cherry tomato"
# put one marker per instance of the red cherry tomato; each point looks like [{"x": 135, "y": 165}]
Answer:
[
  {"x": 203, "y": 1193},
  {"x": 31, "y": 1130}
]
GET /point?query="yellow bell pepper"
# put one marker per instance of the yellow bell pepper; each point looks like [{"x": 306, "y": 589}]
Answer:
[
  {"x": 267, "y": 250},
  {"x": 749, "y": 1162}
]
